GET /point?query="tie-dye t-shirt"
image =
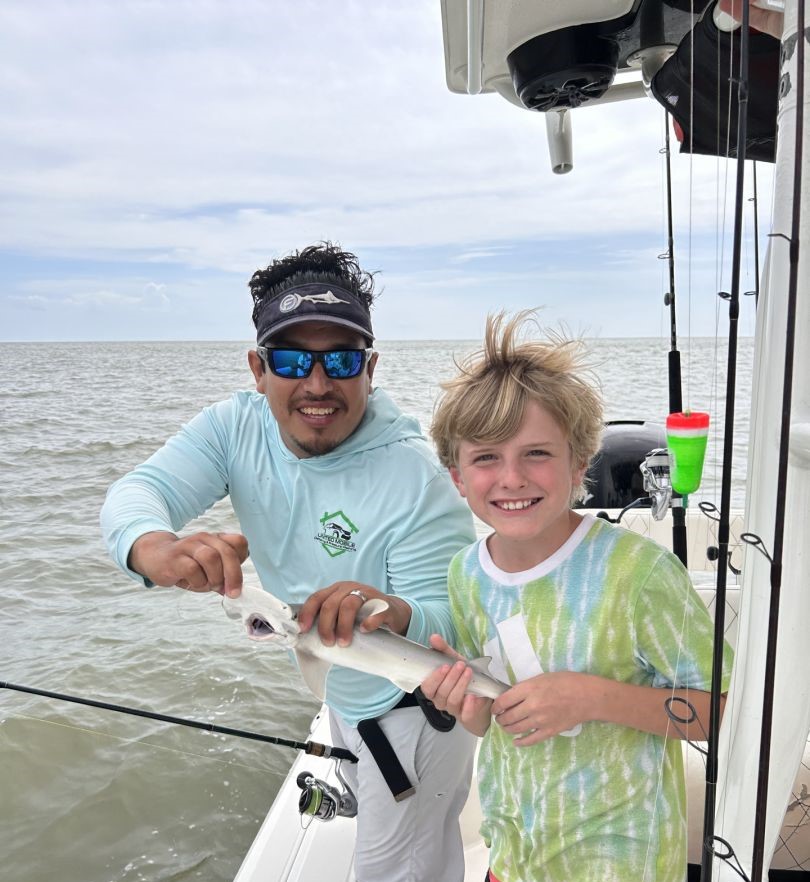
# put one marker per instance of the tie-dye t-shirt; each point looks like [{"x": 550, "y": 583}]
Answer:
[{"x": 607, "y": 804}]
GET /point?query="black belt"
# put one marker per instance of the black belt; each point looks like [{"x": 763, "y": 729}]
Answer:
[{"x": 380, "y": 747}]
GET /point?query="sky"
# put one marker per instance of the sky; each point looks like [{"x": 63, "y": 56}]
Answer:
[{"x": 154, "y": 153}]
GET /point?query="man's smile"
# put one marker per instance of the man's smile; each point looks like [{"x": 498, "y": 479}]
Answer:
[{"x": 317, "y": 411}]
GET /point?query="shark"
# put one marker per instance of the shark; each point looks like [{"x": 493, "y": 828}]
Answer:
[{"x": 381, "y": 652}]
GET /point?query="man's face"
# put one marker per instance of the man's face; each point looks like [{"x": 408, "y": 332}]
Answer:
[{"x": 315, "y": 414}]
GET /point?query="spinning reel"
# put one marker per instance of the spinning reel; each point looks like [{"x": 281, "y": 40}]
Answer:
[
  {"x": 321, "y": 800},
  {"x": 657, "y": 483}
]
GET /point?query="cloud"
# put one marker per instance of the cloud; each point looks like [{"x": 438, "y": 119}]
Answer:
[
  {"x": 208, "y": 137},
  {"x": 93, "y": 299}
]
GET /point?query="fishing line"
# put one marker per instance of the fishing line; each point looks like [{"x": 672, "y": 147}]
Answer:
[
  {"x": 138, "y": 741},
  {"x": 728, "y": 453},
  {"x": 781, "y": 481},
  {"x": 662, "y": 219},
  {"x": 690, "y": 222},
  {"x": 754, "y": 200},
  {"x": 671, "y": 720},
  {"x": 690, "y": 203},
  {"x": 674, "y": 374},
  {"x": 721, "y": 209},
  {"x": 679, "y": 721},
  {"x": 310, "y": 747}
]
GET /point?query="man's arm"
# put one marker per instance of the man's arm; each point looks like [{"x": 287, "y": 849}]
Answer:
[
  {"x": 439, "y": 525},
  {"x": 145, "y": 509}
]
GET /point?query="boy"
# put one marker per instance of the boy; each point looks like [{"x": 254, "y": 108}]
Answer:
[{"x": 579, "y": 776}]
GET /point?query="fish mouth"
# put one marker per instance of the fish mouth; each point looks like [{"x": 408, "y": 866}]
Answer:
[{"x": 258, "y": 627}]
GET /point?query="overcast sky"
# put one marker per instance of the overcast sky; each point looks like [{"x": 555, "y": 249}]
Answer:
[{"x": 153, "y": 154}]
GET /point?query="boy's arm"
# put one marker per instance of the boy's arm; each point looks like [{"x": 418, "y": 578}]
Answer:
[
  {"x": 548, "y": 704},
  {"x": 644, "y": 708}
]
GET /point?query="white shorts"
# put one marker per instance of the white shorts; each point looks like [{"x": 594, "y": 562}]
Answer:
[{"x": 417, "y": 839}]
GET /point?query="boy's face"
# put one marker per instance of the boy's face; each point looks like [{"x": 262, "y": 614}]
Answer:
[{"x": 522, "y": 488}]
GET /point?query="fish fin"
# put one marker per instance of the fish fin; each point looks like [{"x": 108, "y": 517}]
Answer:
[
  {"x": 371, "y": 608},
  {"x": 314, "y": 671},
  {"x": 406, "y": 684},
  {"x": 481, "y": 665}
]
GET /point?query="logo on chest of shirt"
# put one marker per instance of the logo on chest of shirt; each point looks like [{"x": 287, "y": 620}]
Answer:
[{"x": 336, "y": 533}]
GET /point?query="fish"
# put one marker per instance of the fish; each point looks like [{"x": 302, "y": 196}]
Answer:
[{"x": 381, "y": 652}]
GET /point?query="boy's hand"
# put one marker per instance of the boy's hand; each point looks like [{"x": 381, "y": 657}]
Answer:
[
  {"x": 447, "y": 687},
  {"x": 544, "y": 706}
]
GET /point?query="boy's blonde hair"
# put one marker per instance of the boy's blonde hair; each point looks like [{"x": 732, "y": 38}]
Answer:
[{"x": 486, "y": 401}]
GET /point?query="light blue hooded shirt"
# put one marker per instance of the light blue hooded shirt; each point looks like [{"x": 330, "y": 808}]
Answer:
[{"x": 378, "y": 509}]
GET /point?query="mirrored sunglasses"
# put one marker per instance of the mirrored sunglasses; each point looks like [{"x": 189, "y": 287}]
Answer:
[{"x": 296, "y": 364}]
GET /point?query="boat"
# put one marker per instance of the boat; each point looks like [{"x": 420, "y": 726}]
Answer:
[{"x": 758, "y": 811}]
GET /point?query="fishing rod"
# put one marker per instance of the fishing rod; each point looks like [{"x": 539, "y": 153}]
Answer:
[
  {"x": 310, "y": 747},
  {"x": 723, "y": 530},
  {"x": 755, "y": 202},
  {"x": 679, "y": 544},
  {"x": 758, "y": 854}
]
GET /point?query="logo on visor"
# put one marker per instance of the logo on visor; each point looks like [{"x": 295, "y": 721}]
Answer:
[{"x": 293, "y": 301}]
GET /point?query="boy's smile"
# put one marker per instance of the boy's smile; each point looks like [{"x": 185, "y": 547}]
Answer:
[{"x": 522, "y": 488}]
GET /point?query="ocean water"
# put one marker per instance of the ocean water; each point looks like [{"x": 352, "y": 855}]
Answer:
[{"x": 92, "y": 796}]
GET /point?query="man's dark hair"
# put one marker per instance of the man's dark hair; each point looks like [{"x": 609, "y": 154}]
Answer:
[{"x": 324, "y": 262}]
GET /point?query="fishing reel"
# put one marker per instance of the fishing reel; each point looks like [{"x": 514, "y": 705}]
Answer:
[
  {"x": 321, "y": 800},
  {"x": 655, "y": 470}
]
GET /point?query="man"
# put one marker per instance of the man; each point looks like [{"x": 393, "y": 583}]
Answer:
[{"x": 332, "y": 486}]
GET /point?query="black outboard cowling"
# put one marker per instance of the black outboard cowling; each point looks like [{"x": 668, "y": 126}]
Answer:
[{"x": 615, "y": 479}]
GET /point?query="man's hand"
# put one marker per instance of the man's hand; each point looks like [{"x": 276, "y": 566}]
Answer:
[
  {"x": 200, "y": 562},
  {"x": 447, "y": 688},
  {"x": 336, "y": 609}
]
